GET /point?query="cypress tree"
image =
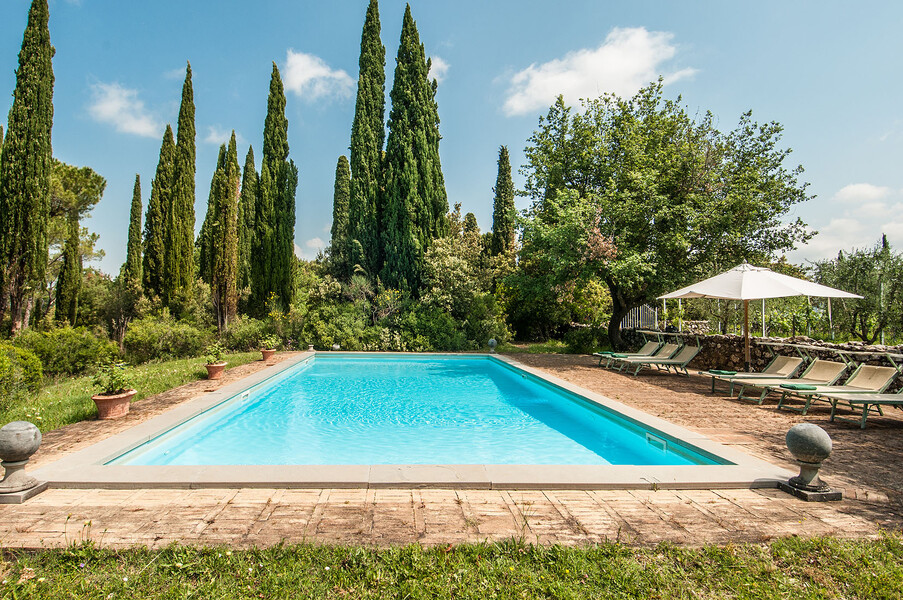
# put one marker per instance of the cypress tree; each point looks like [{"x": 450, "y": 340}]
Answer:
[
  {"x": 131, "y": 270},
  {"x": 503, "y": 207},
  {"x": 415, "y": 199},
  {"x": 340, "y": 245},
  {"x": 224, "y": 238},
  {"x": 69, "y": 284},
  {"x": 205, "y": 238},
  {"x": 25, "y": 166},
  {"x": 367, "y": 137},
  {"x": 179, "y": 263},
  {"x": 246, "y": 203},
  {"x": 274, "y": 219},
  {"x": 155, "y": 222}
]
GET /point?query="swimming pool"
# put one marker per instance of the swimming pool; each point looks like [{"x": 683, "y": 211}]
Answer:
[
  {"x": 352, "y": 410},
  {"x": 696, "y": 461}
]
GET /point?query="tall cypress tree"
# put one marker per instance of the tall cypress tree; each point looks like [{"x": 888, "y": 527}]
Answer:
[
  {"x": 415, "y": 199},
  {"x": 340, "y": 237},
  {"x": 157, "y": 218},
  {"x": 205, "y": 236},
  {"x": 223, "y": 231},
  {"x": 274, "y": 219},
  {"x": 179, "y": 264},
  {"x": 69, "y": 284},
  {"x": 246, "y": 203},
  {"x": 367, "y": 137},
  {"x": 503, "y": 207},
  {"x": 131, "y": 270},
  {"x": 25, "y": 171}
]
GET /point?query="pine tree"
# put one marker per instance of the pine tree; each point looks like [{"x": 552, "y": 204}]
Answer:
[
  {"x": 503, "y": 207},
  {"x": 246, "y": 203},
  {"x": 157, "y": 218},
  {"x": 69, "y": 284},
  {"x": 274, "y": 219},
  {"x": 340, "y": 244},
  {"x": 25, "y": 171},
  {"x": 367, "y": 136},
  {"x": 179, "y": 263},
  {"x": 205, "y": 236},
  {"x": 224, "y": 238},
  {"x": 131, "y": 270},
  {"x": 415, "y": 199}
]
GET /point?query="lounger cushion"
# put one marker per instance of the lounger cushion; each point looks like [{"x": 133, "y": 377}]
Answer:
[
  {"x": 619, "y": 355},
  {"x": 798, "y": 386},
  {"x": 720, "y": 372}
]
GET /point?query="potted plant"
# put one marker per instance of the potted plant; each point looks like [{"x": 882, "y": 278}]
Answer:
[
  {"x": 268, "y": 346},
  {"x": 215, "y": 363},
  {"x": 115, "y": 394}
]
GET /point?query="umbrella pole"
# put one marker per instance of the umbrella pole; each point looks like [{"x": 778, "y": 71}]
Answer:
[{"x": 746, "y": 331}]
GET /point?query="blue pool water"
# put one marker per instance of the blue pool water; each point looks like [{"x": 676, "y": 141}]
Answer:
[{"x": 355, "y": 410}]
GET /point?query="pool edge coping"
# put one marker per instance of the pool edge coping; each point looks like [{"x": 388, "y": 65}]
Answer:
[{"x": 84, "y": 469}]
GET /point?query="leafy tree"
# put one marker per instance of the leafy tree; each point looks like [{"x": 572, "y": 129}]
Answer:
[
  {"x": 224, "y": 238},
  {"x": 874, "y": 273},
  {"x": 367, "y": 136},
  {"x": 205, "y": 239},
  {"x": 179, "y": 226},
  {"x": 415, "y": 197},
  {"x": 274, "y": 219},
  {"x": 131, "y": 270},
  {"x": 68, "y": 286},
  {"x": 246, "y": 220},
  {"x": 158, "y": 209},
  {"x": 340, "y": 246},
  {"x": 667, "y": 199},
  {"x": 25, "y": 166},
  {"x": 503, "y": 213}
]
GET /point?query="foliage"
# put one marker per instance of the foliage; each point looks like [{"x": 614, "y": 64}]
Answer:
[
  {"x": 158, "y": 214},
  {"x": 270, "y": 342},
  {"x": 21, "y": 375},
  {"x": 112, "y": 378},
  {"x": 340, "y": 246},
  {"x": 415, "y": 199},
  {"x": 874, "y": 273},
  {"x": 25, "y": 167},
  {"x": 160, "y": 337},
  {"x": 214, "y": 353},
  {"x": 665, "y": 198},
  {"x": 68, "y": 287},
  {"x": 503, "y": 212},
  {"x": 246, "y": 203},
  {"x": 67, "y": 350},
  {"x": 223, "y": 237},
  {"x": 131, "y": 269},
  {"x": 367, "y": 134},
  {"x": 244, "y": 334}
]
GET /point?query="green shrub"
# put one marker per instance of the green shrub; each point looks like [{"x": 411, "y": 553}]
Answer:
[
  {"x": 244, "y": 334},
  {"x": 67, "y": 350},
  {"x": 583, "y": 340},
  {"x": 333, "y": 323},
  {"x": 434, "y": 328},
  {"x": 484, "y": 321},
  {"x": 112, "y": 378},
  {"x": 160, "y": 337},
  {"x": 20, "y": 375}
]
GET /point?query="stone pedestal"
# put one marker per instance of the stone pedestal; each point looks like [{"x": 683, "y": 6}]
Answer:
[
  {"x": 810, "y": 445},
  {"x": 18, "y": 441}
]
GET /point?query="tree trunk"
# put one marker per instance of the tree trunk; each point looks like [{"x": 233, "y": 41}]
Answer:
[{"x": 618, "y": 312}]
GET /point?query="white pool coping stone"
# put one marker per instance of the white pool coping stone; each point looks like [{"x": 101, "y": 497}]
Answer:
[{"x": 86, "y": 469}]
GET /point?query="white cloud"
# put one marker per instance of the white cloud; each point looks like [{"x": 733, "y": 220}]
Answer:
[
  {"x": 861, "y": 192},
  {"x": 121, "y": 108},
  {"x": 311, "y": 248},
  {"x": 628, "y": 59},
  {"x": 438, "y": 69},
  {"x": 310, "y": 77},
  {"x": 216, "y": 135}
]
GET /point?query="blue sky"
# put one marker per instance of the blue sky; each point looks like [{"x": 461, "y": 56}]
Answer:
[{"x": 828, "y": 71}]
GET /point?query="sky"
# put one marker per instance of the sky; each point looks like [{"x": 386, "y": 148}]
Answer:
[{"x": 828, "y": 71}]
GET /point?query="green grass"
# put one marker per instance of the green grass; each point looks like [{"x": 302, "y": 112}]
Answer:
[
  {"x": 789, "y": 568},
  {"x": 549, "y": 347},
  {"x": 69, "y": 401}
]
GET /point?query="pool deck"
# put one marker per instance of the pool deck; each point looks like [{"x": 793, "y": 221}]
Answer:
[{"x": 864, "y": 464}]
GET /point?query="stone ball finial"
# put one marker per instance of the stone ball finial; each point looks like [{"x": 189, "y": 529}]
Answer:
[
  {"x": 492, "y": 344},
  {"x": 808, "y": 443},
  {"x": 18, "y": 441}
]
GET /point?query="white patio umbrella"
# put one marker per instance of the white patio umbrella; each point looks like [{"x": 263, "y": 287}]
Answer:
[{"x": 746, "y": 282}]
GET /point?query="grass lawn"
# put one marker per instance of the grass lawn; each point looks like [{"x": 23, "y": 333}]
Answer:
[
  {"x": 69, "y": 401},
  {"x": 790, "y": 568},
  {"x": 550, "y": 347}
]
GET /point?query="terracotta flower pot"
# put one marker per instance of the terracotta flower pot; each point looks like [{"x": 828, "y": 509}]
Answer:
[
  {"x": 215, "y": 370},
  {"x": 267, "y": 353},
  {"x": 113, "y": 406}
]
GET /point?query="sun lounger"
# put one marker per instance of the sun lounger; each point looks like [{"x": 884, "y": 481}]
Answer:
[
  {"x": 819, "y": 372},
  {"x": 781, "y": 367},
  {"x": 866, "y": 379},
  {"x": 617, "y": 361},
  {"x": 678, "y": 362},
  {"x": 648, "y": 349},
  {"x": 867, "y": 403}
]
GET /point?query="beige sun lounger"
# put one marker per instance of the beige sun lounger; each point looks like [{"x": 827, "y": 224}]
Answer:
[
  {"x": 665, "y": 352},
  {"x": 867, "y": 403},
  {"x": 648, "y": 349},
  {"x": 781, "y": 367},
  {"x": 866, "y": 379},
  {"x": 819, "y": 372},
  {"x": 678, "y": 362}
]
